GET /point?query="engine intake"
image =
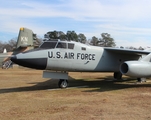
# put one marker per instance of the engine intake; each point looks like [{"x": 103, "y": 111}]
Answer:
[
  {"x": 124, "y": 68},
  {"x": 136, "y": 68}
]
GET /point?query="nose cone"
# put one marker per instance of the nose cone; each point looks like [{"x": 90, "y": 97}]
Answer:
[{"x": 36, "y": 63}]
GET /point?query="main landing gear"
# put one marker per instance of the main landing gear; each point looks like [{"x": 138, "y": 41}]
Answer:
[
  {"x": 141, "y": 80},
  {"x": 117, "y": 75},
  {"x": 63, "y": 83}
]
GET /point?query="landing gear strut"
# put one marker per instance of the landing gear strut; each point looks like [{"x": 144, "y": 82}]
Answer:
[
  {"x": 63, "y": 83},
  {"x": 117, "y": 75}
]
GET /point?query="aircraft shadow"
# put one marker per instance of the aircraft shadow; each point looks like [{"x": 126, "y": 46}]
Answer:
[
  {"x": 48, "y": 84},
  {"x": 100, "y": 85},
  {"x": 110, "y": 84}
]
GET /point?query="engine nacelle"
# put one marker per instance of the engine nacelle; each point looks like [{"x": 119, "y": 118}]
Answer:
[{"x": 136, "y": 68}]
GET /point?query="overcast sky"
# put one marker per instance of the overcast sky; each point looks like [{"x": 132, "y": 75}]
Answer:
[{"x": 127, "y": 21}]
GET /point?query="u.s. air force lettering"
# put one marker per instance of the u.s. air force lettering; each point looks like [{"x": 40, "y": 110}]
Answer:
[{"x": 71, "y": 55}]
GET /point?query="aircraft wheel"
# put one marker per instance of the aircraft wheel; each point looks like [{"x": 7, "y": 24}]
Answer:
[
  {"x": 117, "y": 75},
  {"x": 141, "y": 80},
  {"x": 63, "y": 83}
]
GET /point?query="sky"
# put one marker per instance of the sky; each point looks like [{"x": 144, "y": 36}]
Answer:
[{"x": 127, "y": 21}]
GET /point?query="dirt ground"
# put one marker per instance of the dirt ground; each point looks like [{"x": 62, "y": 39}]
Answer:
[{"x": 25, "y": 95}]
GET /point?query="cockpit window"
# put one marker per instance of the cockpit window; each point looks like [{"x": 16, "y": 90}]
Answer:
[
  {"x": 61, "y": 45},
  {"x": 48, "y": 45},
  {"x": 56, "y": 44},
  {"x": 70, "y": 45}
]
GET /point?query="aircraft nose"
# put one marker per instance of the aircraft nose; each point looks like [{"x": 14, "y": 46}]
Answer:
[
  {"x": 36, "y": 63},
  {"x": 13, "y": 58}
]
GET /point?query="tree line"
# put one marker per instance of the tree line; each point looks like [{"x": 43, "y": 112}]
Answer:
[
  {"x": 105, "y": 40},
  {"x": 9, "y": 46}
]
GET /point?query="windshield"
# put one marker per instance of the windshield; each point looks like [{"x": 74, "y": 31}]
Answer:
[
  {"x": 53, "y": 44},
  {"x": 49, "y": 45}
]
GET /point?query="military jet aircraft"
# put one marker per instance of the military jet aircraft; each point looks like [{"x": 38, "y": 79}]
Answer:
[
  {"x": 57, "y": 58},
  {"x": 25, "y": 42}
]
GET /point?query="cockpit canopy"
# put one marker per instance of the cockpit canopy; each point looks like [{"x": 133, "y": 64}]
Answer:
[{"x": 57, "y": 44}]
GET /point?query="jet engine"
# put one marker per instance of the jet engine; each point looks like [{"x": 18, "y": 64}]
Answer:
[{"x": 136, "y": 68}]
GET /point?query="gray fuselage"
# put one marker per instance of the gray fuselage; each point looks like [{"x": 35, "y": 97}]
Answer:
[{"x": 72, "y": 56}]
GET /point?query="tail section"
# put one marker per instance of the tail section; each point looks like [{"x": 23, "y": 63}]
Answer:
[
  {"x": 25, "y": 38},
  {"x": 25, "y": 42}
]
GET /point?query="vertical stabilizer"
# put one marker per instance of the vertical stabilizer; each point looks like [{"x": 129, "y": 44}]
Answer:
[
  {"x": 25, "y": 42},
  {"x": 25, "y": 38}
]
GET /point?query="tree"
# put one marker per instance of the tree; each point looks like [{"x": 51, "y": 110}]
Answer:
[
  {"x": 9, "y": 46},
  {"x": 106, "y": 40},
  {"x": 55, "y": 35},
  {"x": 1, "y": 47},
  {"x": 52, "y": 35},
  {"x": 81, "y": 38},
  {"x": 140, "y": 48},
  {"x": 69, "y": 35},
  {"x": 12, "y": 43},
  {"x": 94, "y": 41},
  {"x": 72, "y": 35},
  {"x": 62, "y": 35},
  {"x": 131, "y": 47},
  {"x": 37, "y": 40}
]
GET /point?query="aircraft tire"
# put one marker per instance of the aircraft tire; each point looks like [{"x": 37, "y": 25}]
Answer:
[
  {"x": 63, "y": 83},
  {"x": 141, "y": 80},
  {"x": 117, "y": 75}
]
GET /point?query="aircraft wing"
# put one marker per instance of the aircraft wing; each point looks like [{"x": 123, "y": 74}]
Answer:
[{"x": 127, "y": 51}]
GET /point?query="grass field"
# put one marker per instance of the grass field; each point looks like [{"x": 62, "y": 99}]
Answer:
[{"x": 25, "y": 95}]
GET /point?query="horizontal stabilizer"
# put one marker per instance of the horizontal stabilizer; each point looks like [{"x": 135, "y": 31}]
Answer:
[{"x": 4, "y": 56}]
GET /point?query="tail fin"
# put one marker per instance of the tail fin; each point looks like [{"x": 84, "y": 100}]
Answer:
[
  {"x": 25, "y": 42},
  {"x": 25, "y": 38}
]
